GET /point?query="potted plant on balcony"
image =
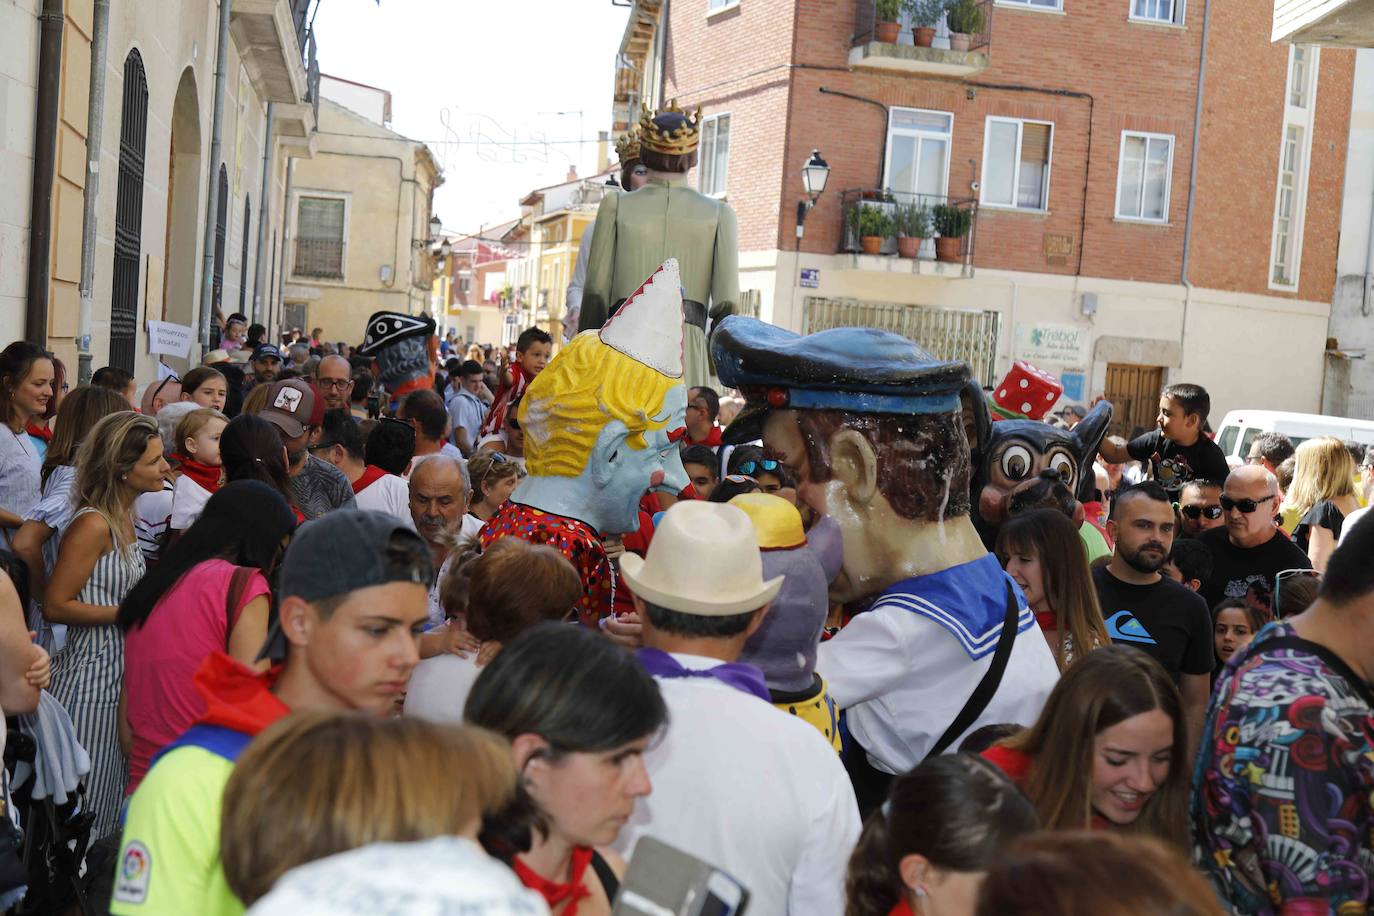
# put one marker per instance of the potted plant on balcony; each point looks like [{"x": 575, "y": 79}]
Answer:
[
  {"x": 875, "y": 227},
  {"x": 888, "y": 29},
  {"x": 952, "y": 223},
  {"x": 965, "y": 20},
  {"x": 913, "y": 225},
  {"x": 924, "y": 15}
]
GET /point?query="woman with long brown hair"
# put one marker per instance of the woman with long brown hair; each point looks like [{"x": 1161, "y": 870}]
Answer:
[
  {"x": 1042, "y": 551},
  {"x": 38, "y": 538},
  {"x": 1110, "y": 749},
  {"x": 924, "y": 853},
  {"x": 26, "y": 387}
]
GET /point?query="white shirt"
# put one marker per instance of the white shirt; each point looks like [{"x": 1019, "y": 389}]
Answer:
[
  {"x": 439, "y": 688},
  {"x": 152, "y": 517},
  {"x": 1350, "y": 521},
  {"x": 389, "y": 494},
  {"x": 188, "y": 501},
  {"x": 752, "y": 790},
  {"x": 904, "y": 678}
]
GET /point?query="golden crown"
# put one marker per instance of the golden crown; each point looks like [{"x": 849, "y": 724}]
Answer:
[
  {"x": 627, "y": 147},
  {"x": 677, "y": 142}
]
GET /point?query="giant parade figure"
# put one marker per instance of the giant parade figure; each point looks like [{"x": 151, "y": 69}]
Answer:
[
  {"x": 635, "y": 232},
  {"x": 403, "y": 350},
  {"x": 873, "y": 425},
  {"x": 601, "y": 425}
]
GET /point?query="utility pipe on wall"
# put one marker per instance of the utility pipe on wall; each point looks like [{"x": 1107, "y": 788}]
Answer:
[
  {"x": 95, "y": 131},
  {"x": 207, "y": 279},
  {"x": 50, "y": 24},
  {"x": 259, "y": 270}
]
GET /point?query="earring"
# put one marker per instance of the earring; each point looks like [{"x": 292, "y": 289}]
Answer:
[{"x": 920, "y": 892}]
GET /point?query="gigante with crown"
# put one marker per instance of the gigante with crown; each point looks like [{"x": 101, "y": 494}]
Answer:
[{"x": 635, "y": 232}]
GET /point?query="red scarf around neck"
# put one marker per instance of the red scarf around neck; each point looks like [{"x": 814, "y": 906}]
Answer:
[
  {"x": 371, "y": 474},
  {"x": 206, "y": 475},
  {"x": 573, "y": 892}
]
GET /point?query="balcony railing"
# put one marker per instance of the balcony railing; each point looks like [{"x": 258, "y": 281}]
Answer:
[
  {"x": 949, "y": 53},
  {"x": 920, "y": 215}
]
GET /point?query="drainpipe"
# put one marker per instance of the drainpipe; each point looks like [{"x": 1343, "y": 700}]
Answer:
[
  {"x": 286, "y": 215},
  {"x": 100, "y": 41},
  {"x": 661, "y": 55},
  {"x": 1192, "y": 176},
  {"x": 50, "y": 23},
  {"x": 259, "y": 271},
  {"x": 207, "y": 280},
  {"x": 882, "y": 164}
]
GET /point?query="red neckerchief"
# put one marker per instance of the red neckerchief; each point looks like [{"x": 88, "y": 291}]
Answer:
[
  {"x": 901, "y": 909},
  {"x": 38, "y": 431},
  {"x": 554, "y": 893},
  {"x": 206, "y": 475},
  {"x": 711, "y": 441},
  {"x": 371, "y": 474},
  {"x": 1047, "y": 620}
]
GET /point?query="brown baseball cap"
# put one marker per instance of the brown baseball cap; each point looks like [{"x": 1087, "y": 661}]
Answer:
[{"x": 293, "y": 405}]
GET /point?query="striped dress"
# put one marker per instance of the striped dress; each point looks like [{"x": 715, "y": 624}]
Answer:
[{"x": 86, "y": 676}]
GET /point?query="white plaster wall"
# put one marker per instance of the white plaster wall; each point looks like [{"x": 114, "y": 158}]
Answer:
[
  {"x": 1350, "y": 387},
  {"x": 18, "y": 75}
]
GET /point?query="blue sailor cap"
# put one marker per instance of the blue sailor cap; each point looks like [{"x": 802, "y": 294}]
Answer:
[{"x": 860, "y": 370}]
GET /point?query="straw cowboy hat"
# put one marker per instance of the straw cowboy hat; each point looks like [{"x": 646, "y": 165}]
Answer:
[{"x": 693, "y": 536}]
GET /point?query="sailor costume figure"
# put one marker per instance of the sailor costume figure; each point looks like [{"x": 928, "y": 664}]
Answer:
[{"x": 872, "y": 424}]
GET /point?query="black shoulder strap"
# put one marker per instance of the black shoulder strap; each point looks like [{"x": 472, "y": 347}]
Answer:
[
  {"x": 606, "y": 875},
  {"x": 1332, "y": 660},
  {"x": 992, "y": 679},
  {"x": 238, "y": 582}
]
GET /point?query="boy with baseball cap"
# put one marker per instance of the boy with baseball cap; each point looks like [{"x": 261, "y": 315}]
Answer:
[
  {"x": 785, "y": 832},
  {"x": 353, "y": 599}
]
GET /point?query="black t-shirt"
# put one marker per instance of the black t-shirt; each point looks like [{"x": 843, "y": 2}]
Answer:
[
  {"x": 1238, "y": 570},
  {"x": 1172, "y": 465},
  {"x": 1323, "y": 515},
  {"x": 1165, "y": 620}
]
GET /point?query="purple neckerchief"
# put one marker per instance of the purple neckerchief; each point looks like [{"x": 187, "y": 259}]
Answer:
[{"x": 736, "y": 674}]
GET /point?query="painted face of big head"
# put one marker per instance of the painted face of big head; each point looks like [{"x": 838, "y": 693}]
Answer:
[{"x": 610, "y": 426}]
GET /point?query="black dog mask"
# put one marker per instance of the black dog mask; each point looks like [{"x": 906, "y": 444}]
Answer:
[{"x": 1027, "y": 464}]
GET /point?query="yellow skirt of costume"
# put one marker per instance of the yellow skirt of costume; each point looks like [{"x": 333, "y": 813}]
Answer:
[{"x": 813, "y": 706}]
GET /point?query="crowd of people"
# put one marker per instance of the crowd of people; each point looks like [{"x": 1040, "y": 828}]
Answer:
[{"x": 260, "y": 648}]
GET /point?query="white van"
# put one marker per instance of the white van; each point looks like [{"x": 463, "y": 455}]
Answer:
[{"x": 1240, "y": 427}]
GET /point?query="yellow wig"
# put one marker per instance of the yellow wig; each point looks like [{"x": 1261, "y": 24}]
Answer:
[{"x": 588, "y": 385}]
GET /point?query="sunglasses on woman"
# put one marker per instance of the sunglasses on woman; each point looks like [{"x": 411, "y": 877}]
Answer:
[
  {"x": 749, "y": 467},
  {"x": 1197, "y": 512},
  {"x": 1244, "y": 505}
]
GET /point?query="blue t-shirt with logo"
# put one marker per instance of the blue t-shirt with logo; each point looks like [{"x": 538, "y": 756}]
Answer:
[{"x": 1166, "y": 620}]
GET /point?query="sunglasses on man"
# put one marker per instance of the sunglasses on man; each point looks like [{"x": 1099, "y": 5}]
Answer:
[
  {"x": 1244, "y": 505},
  {"x": 1196, "y": 512}
]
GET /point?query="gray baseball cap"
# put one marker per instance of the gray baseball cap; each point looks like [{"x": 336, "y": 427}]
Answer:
[{"x": 341, "y": 552}]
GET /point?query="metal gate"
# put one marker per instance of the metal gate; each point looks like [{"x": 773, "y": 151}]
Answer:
[
  {"x": 133, "y": 137},
  {"x": 1134, "y": 393},
  {"x": 946, "y": 333}
]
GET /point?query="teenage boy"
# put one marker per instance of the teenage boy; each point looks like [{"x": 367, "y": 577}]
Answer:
[
  {"x": 703, "y": 407},
  {"x": 533, "y": 349},
  {"x": 1177, "y": 451},
  {"x": 700, "y": 464},
  {"x": 353, "y": 602}
]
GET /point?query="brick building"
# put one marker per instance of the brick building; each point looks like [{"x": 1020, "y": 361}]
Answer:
[{"x": 1098, "y": 248}]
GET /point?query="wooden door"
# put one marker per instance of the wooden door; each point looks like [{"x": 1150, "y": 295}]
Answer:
[{"x": 1134, "y": 392}]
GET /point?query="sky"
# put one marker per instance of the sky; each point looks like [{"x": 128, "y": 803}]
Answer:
[{"x": 501, "y": 91}]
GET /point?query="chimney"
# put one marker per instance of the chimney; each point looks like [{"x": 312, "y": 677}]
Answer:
[{"x": 572, "y": 173}]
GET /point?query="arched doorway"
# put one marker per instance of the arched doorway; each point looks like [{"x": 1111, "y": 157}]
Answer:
[
  {"x": 133, "y": 139},
  {"x": 179, "y": 294}
]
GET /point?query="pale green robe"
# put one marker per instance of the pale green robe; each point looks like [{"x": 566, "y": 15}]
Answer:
[{"x": 637, "y": 232}]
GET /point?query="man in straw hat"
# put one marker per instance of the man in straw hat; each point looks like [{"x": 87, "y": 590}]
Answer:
[{"x": 737, "y": 782}]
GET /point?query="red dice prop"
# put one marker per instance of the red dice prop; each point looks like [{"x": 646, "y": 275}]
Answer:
[{"x": 1027, "y": 391}]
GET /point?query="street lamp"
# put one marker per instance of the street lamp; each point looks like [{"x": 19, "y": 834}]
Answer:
[
  {"x": 436, "y": 226},
  {"x": 815, "y": 173}
]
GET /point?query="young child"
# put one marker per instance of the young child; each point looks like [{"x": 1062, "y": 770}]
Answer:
[
  {"x": 1234, "y": 624},
  {"x": 198, "y": 459},
  {"x": 1177, "y": 450},
  {"x": 1189, "y": 563},
  {"x": 533, "y": 350}
]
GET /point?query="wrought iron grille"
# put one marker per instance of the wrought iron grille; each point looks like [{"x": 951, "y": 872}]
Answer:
[{"x": 133, "y": 137}]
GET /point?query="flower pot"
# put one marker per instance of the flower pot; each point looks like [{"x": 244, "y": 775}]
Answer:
[
  {"x": 958, "y": 41},
  {"x": 923, "y": 35},
  {"x": 908, "y": 246},
  {"x": 873, "y": 244},
  {"x": 949, "y": 248},
  {"x": 888, "y": 32}
]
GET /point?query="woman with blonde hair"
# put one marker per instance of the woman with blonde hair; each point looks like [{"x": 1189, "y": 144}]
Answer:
[
  {"x": 1042, "y": 551},
  {"x": 97, "y": 565},
  {"x": 1109, "y": 750},
  {"x": 1322, "y": 495},
  {"x": 317, "y": 783},
  {"x": 493, "y": 477}
]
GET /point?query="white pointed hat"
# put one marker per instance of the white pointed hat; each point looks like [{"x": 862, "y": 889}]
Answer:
[{"x": 648, "y": 327}]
